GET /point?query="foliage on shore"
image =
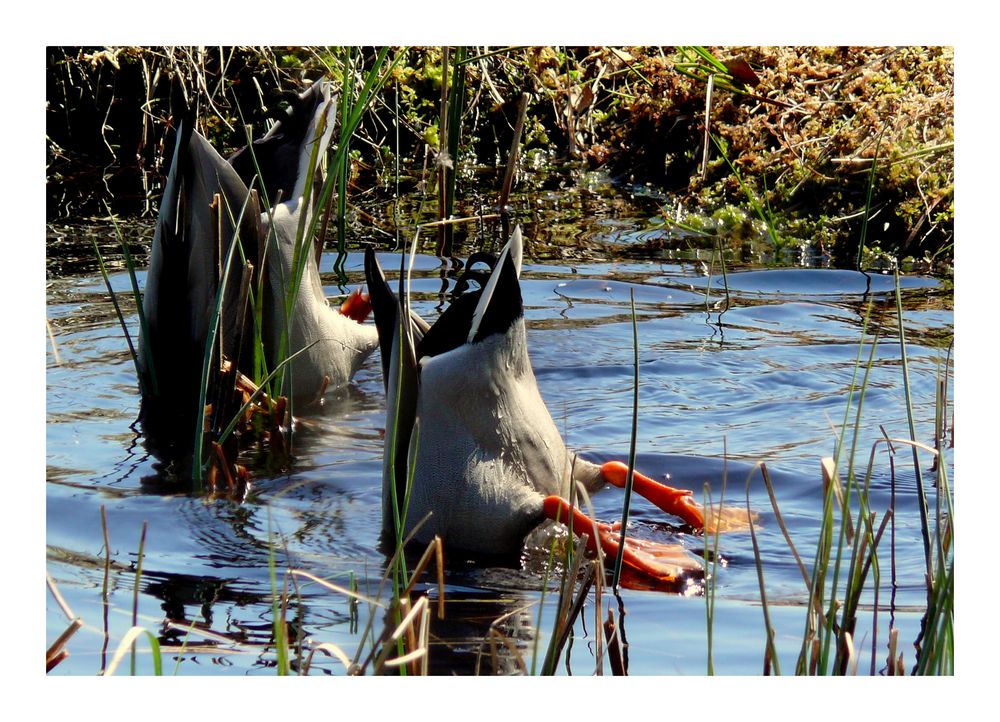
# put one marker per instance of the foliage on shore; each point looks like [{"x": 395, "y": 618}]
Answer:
[
  {"x": 796, "y": 130},
  {"x": 804, "y": 139}
]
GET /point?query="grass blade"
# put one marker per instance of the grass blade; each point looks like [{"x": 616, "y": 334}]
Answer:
[
  {"x": 118, "y": 312},
  {"x": 127, "y": 644},
  {"x": 137, "y": 297},
  {"x": 632, "y": 443}
]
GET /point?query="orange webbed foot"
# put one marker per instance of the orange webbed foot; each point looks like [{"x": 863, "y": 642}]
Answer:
[
  {"x": 357, "y": 306},
  {"x": 648, "y": 564},
  {"x": 679, "y": 502}
]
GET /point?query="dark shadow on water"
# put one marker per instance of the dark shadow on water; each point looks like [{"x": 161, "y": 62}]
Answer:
[{"x": 482, "y": 633}]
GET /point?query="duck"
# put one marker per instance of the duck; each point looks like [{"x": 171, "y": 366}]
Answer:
[
  {"x": 471, "y": 453},
  {"x": 332, "y": 343},
  {"x": 207, "y": 205}
]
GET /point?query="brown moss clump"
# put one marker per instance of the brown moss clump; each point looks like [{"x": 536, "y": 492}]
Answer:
[{"x": 804, "y": 139}]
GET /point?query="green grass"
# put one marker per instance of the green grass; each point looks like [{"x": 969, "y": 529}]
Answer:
[
  {"x": 849, "y": 561},
  {"x": 353, "y": 104},
  {"x": 630, "y": 475}
]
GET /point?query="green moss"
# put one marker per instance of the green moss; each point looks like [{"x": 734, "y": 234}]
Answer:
[
  {"x": 812, "y": 149},
  {"x": 803, "y": 142}
]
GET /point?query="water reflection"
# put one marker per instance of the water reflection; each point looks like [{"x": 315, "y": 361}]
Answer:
[{"x": 760, "y": 373}]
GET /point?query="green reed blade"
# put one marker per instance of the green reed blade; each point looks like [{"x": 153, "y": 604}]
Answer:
[
  {"x": 712, "y": 576},
  {"x": 118, "y": 312},
  {"x": 213, "y": 330},
  {"x": 632, "y": 443},
  {"x": 868, "y": 200},
  {"x": 277, "y": 615},
  {"x": 144, "y": 338},
  {"x": 921, "y": 495},
  {"x": 824, "y": 546},
  {"x": 833, "y": 631},
  {"x": 772, "y": 652}
]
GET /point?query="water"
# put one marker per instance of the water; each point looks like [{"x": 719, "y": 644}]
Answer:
[{"x": 760, "y": 375}]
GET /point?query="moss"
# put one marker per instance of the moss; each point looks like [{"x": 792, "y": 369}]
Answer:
[
  {"x": 802, "y": 140},
  {"x": 809, "y": 152}
]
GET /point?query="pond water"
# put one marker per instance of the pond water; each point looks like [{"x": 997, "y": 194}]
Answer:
[{"x": 726, "y": 381}]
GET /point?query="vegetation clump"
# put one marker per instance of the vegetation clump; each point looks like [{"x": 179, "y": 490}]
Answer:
[
  {"x": 839, "y": 144},
  {"x": 804, "y": 134}
]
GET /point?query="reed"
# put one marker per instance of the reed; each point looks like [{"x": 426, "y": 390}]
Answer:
[
  {"x": 935, "y": 645},
  {"x": 354, "y": 104},
  {"x": 512, "y": 157},
  {"x": 118, "y": 311},
  {"x": 763, "y": 213},
  {"x": 404, "y": 370},
  {"x": 569, "y": 604},
  {"x": 137, "y": 299},
  {"x": 630, "y": 475},
  {"x": 209, "y": 368},
  {"x": 280, "y": 630},
  {"x": 771, "y": 652},
  {"x": 57, "y": 651},
  {"x": 712, "y": 564},
  {"x": 135, "y": 590},
  {"x": 847, "y": 564},
  {"x": 256, "y": 299},
  {"x": 127, "y": 644},
  {"x": 868, "y": 199},
  {"x": 570, "y": 601}
]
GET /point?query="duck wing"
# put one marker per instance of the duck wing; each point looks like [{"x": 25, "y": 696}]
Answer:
[{"x": 207, "y": 218}]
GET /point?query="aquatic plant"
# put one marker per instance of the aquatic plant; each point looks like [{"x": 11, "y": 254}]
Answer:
[
  {"x": 847, "y": 550},
  {"x": 801, "y": 124}
]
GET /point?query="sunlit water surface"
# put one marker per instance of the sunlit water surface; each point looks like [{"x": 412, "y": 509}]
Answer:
[{"x": 760, "y": 376}]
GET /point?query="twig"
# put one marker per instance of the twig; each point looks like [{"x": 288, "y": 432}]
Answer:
[
  {"x": 614, "y": 646},
  {"x": 515, "y": 148}
]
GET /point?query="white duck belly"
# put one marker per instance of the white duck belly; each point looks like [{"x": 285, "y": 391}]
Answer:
[
  {"x": 337, "y": 345},
  {"x": 488, "y": 451}
]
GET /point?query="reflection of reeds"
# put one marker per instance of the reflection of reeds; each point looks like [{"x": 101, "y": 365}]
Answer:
[
  {"x": 401, "y": 647},
  {"x": 127, "y": 644}
]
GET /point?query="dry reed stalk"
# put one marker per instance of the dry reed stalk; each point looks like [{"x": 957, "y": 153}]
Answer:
[{"x": 614, "y": 646}]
